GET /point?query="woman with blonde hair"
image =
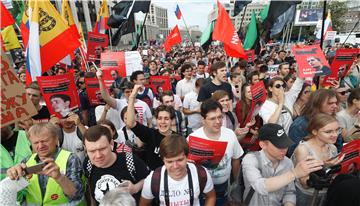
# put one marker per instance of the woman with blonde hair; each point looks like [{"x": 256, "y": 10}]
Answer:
[{"x": 323, "y": 131}]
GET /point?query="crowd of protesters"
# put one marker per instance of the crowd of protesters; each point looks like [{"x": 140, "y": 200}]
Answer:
[{"x": 133, "y": 149}]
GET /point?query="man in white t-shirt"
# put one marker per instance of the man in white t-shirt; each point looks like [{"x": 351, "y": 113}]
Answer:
[
  {"x": 141, "y": 107},
  {"x": 191, "y": 107},
  {"x": 213, "y": 131},
  {"x": 185, "y": 85},
  {"x": 178, "y": 182}
]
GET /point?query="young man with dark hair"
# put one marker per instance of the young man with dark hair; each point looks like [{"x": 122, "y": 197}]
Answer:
[
  {"x": 284, "y": 69},
  {"x": 212, "y": 130},
  {"x": 145, "y": 94},
  {"x": 185, "y": 85},
  {"x": 200, "y": 72},
  {"x": 177, "y": 125},
  {"x": 219, "y": 82},
  {"x": 253, "y": 77},
  {"x": 151, "y": 137},
  {"x": 177, "y": 176},
  {"x": 107, "y": 170}
]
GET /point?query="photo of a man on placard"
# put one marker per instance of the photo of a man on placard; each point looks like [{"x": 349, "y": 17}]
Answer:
[
  {"x": 60, "y": 103},
  {"x": 315, "y": 63}
]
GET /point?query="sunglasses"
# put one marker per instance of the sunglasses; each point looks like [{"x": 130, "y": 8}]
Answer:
[
  {"x": 343, "y": 92},
  {"x": 278, "y": 86}
]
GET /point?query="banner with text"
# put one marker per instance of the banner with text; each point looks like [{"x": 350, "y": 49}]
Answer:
[
  {"x": 311, "y": 61},
  {"x": 341, "y": 65},
  {"x": 60, "y": 94},
  {"x": 96, "y": 43},
  {"x": 206, "y": 152}
]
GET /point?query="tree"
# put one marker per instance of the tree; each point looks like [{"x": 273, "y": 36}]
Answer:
[{"x": 338, "y": 9}]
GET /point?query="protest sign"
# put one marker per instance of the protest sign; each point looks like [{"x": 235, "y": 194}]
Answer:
[
  {"x": 96, "y": 42},
  {"x": 258, "y": 93},
  {"x": 122, "y": 63},
  {"x": 273, "y": 70},
  {"x": 206, "y": 152},
  {"x": 160, "y": 82},
  {"x": 311, "y": 61},
  {"x": 60, "y": 94},
  {"x": 15, "y": 104},
  {"x": 341, "y": 65},
  {"x": 93, "y": 91},
  {"x": 250, "y": 54},
  {"x": 330, "y": 35}
]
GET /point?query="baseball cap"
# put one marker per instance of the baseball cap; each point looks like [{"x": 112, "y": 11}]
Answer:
[{"x": 276, "y": 135}]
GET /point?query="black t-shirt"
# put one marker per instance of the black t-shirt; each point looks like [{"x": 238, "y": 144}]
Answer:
[
  {"x": 152, "y": 138},
  {"x": 10, "y": 143},
  {"x": 43, "y": 115},
  {"x": 102, "y": 180},
  {"x": 208, "y": 89}
]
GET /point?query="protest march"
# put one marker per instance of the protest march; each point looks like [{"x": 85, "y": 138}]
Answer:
[{"x": 117, "y": 103}]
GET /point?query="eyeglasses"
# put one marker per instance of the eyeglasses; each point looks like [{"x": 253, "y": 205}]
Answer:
[
  {"x": 280, "y": 85},
  {"x": 336, "y": 131}
]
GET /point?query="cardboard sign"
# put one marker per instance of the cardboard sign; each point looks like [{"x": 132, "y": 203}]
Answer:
[
  {"x": 160, "y": 82},
  {"x": 133, "y": 62},
  {"x": 273, "y": 70},
  {"x": 250, "y": 54},
  {"x": 15, "y": 104},
  {"x": 341, "y": 65},
  {"x": 206, "y": 152},
  {"x": 311, "y": 61},
  {"x": 93, "y": 91},
  {"x": 258, "y": 93},
  {"x": 96, "y": 42},
  {"x": 60, "y": 94}
]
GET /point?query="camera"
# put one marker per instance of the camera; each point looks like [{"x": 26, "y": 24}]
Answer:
[{"x": 322, "y": 178}]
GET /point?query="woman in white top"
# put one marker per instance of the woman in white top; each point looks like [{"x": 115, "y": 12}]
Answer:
[
  {"x": 323, "y": 131},
  {"x": 278, "y": 108}
]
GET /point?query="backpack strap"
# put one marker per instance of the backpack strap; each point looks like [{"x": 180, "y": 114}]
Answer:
[
  {"x": 155, "y": 184},
  {"x": 61, "y": 136},
  {"x": 125, "y": 133},
  {"x": 202, "y": 176},
  {"x": 231, "y": 117},
  {"x": 252, "y": 191},
  {"x": 130, "y": 165}
]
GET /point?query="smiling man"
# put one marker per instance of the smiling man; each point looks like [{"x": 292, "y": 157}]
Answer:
[
  {"x": 151, "y": 137},
  {"x": 183, "y": 181},
  {"x": 213, "y": 131},
  {"x": 219, "y": 82}
]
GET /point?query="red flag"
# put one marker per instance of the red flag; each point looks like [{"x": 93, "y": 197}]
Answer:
[
  {"x": 225, "y": 32},
  {"x": 173, "y": 38},
  {"x": 6, "y": 18}
]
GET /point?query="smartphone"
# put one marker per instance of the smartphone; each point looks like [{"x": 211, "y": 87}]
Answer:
[
  {"x": 35, "y": 169},
  {"x": 338, "y": 155}
]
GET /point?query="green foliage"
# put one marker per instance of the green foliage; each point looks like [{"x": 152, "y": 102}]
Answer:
[{"x": 338, "y": 9}]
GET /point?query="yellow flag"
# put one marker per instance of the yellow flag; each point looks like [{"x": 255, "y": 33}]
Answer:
[
  {"x": 10, "y": 38},
  {"x": 66, "y": 13}
]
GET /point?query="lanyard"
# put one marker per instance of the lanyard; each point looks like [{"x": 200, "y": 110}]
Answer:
[{"x": 191, "y": 188}]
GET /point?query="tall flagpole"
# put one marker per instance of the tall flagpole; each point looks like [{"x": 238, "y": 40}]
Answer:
[
  {"x": 141, "y": 30},
  {"x": 187, "y": 29},
  {"x": 242, "y": 19},
  {"x": 323, "y": 25}
]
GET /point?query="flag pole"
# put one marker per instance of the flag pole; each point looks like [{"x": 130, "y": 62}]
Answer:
[
  {"x": 323, "y": 25},
  {"x": 351, "y": 32},
  {"x": 242, "y": 19},
  {"x": 187, "y": 29},
  {"x": 110, "y": 39},
  {"x": 141, "y": 30}
]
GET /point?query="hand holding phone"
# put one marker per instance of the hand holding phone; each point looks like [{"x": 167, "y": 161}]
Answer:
[{"x": 35, "y": 169}]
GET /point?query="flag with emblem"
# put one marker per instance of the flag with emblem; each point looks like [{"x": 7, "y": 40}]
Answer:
[
  {"x": 102, "y": 18},
  {"x": 50, "y": 39},
  {"x": 6, "y": 18},
  {"x": 173, "y": 38},
  {"x": 68, "y": 17},
  {"x": 225, "y": 32}
]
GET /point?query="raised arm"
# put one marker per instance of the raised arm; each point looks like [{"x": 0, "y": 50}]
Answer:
[
  {"x": 130, "y": 114},
  {"x": 104, "y": 92}
]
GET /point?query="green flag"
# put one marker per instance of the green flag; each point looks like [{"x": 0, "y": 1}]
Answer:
[
  {"x": 206, "y": 37},
  {"x": 251, "y": 34},
  {"x": 264, "y": 12}
]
